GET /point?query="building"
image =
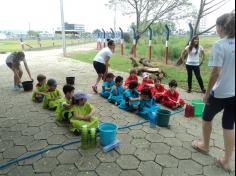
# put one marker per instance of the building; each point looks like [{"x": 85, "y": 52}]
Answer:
[{"x": 77, "y": 27}]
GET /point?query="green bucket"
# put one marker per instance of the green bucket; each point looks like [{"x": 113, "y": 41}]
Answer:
[
  {"x": 163, "y": 118},
  {"x": 198, "y": 107}
]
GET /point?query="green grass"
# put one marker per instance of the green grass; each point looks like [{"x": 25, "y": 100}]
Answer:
[{"x": 122, "y": 63}]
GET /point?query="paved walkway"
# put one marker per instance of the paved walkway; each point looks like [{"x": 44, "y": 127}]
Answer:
[{"x": 26, "y": 127}]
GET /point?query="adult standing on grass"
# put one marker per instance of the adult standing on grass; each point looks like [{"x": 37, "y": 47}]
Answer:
[
  {"x": 13, "y": 61},
  {"x": 101, "y": 62},
  {"x": 195, "y": 52},
  {"x": 220, "y": 94}
]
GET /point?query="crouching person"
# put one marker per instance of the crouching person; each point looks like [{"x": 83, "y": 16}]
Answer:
[
  {"x": 41, "y": 89},
  {"x": 64, "y": 109},
  {"x": 83, "y": 113}
]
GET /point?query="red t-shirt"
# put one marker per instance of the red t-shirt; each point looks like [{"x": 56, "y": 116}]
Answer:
[
  {"x": 173, "y": 96},
  {"x": 129, "y": 79},
  {"x": 144, "y": 83},
  {"x": 160, "y": 89}
]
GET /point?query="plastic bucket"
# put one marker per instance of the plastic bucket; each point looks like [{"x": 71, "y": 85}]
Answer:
[
  {"x": 163, "y": 117},
  {"x": 27, "y": 85},
  {"x": 198, "y": 107},
  {"x": 70, "y": 80},
  {"x": 108, "y": 133}
]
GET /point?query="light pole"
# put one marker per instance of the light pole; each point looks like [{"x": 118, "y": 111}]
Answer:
[{"x": 63, "y": 29}]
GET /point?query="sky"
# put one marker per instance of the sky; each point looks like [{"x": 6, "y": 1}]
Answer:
[{"x": 44, "y": 15}]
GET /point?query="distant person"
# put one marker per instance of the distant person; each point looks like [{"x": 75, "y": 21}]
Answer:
[
  {"x": 220, "y": 94},
  {"x": 13, "y": 61},
  {"x": 194, "y": 61},
  {"x": 101, "y": 62}
]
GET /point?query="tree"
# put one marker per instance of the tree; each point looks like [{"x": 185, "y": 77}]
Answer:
[
  {"x": 207, "y": 7},
  {"x": 148, "y": 12}
]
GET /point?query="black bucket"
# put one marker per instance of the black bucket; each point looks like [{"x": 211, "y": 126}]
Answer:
[
  {"x": 70, "y": 80},
  {"x": 27, "y": 86}
]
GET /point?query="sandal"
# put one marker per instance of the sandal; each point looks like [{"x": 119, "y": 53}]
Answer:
[
  {"x": 95, "y": 89},
  {"x": 195, "y": 145},
  {"x": 219, "y": 163}
]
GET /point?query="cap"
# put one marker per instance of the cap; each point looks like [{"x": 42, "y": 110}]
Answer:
[
  {"x": 145, "y": 75},
  {"x": 52, "y": 82},
  {"x": 81, "y": 95}
]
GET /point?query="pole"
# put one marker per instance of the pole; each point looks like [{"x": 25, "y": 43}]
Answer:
[
  {"x": 167, "y": 39},
  {"x": 63, "y": 29},
  {"x": 122, "y": 42},
  {"x": 134, "y": 43},
  {"x": 150, "y": 44}
]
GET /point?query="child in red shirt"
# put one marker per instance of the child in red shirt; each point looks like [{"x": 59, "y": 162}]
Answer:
[
  {"x": 146, "y": 83},
  {"x": 132, "y": 77},
  {"x": 171, "y": 97},
  {"x": 158, "y": 90}
]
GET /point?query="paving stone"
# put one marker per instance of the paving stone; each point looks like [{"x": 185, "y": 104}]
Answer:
[
  {"x": 19, "y": 127},
  {"x": 155, "y": 138},
  {"x": 36, "y": 123},
  {"x": 126, "y": 149},
  {"x": 108, "y": 169},
  {"x": 9, "y": 135},
  {"x": 202, "y": 159},
  {"x": 30, "y": 161},
  {"x": 45, "y": 165},
  {"x": 60, "y": 130},
  {"x": 167, "y": 161},
  {"x": 29, "y": 131},
  {"x": 56, "y": 139},
  {"x": 141, "y": 143},
  {"x": 150, "y": 168},
  {"x": 149, "y": 130},
  {"x": 5, "y": 170},
  {"x": 4, "y": 145},
  {"x": 53, "y": 153},
  {"x": 128, "y": 162},
  {"x": 185, "y": 137},
  {"x": 88, "y": 163},
  {"x": 91, "y": 152},
  {"x": 130, "y": 173},
  {"x": 43, "y": 135},
  {"x": 14, "y": 152},
  {"x": 86, "y": 174},
  {"x": 160, "y": 148},
  {"x": 145, "y": 155},
  {"x": 8, "y": 123},
  {"x": 214, "y": 170},
  {"x": 173, "y": 142},
  {"x": 173, "y": 172},
  {"x": 48, "y": 126},
  {"x": 180, "y": 153},
  {"x": 137, "y": 134},
  {"x": 65, "y": 170},
  {"x": 22, "y": 171},
  {"x": 166, "y": 133},
  {"x": 125, "y": 138},
  {"x": 37, "y": 145},
  {"x": 190, "y": 167},
  {"x": 43, "y": 174},
  {"x": 108, "y": 157},
  {"x": 188, "y": 146},
  {"x": 23, "y": 140},
  {"x": 69, "y": 157}
]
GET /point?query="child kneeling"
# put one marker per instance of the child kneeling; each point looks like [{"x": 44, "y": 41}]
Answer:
[
  {"x": 41, "y": 89},
  {"x": 64, "y": 109},
  {"x": 83, "y": 113}
]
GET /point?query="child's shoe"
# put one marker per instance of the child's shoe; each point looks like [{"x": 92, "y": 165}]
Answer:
[{"x": 16, "y": 88}]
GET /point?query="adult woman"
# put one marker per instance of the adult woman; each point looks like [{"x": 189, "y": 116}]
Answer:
[
  {"x": 193, "y": 63},
  {"x": 101, "y": 62},
  {"x": 13, "y": 62},
  {"x": 220, "y": 94}
]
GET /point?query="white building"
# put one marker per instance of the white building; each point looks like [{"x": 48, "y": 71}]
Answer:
[{"x": 3, "y": 36}]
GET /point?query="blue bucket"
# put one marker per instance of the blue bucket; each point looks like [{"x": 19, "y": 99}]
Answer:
[{"x": 107, "y": 133}]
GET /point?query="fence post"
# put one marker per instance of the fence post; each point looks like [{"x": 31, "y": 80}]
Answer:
[
  {"x": 104, "y": 38},
  {"x": 167, "y": 40},
  {"x": 122, "y": 41},
  {"x": 150, "y": 44},
  {"x": 113, "y": 35},
  {"x": 134, "y": 43}
]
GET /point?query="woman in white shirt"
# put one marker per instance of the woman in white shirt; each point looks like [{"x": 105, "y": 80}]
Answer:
[
  {"x": 220, "y": 94},
  {"x": 101, "y": 62},
  {"x": 193, "y": 63}
]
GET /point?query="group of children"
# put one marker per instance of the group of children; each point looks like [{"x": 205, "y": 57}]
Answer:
[
  {"x": 143, "y": 98},
  {"x": 73, "y": 107}
]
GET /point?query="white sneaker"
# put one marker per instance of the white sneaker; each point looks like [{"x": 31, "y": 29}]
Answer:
[{"x": 16, "y": 88}]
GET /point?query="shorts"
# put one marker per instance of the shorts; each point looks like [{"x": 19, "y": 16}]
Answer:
[
  {"x": 9, "y": 65},
  {"x": 99, "y": 67},
  {"x": 218, "y": 104}
]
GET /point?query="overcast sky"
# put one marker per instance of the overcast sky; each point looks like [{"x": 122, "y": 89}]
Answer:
[{"x": 45, "y": 14}]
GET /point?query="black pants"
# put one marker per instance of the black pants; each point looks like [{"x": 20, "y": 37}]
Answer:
[{"x": 197, "y": 73}]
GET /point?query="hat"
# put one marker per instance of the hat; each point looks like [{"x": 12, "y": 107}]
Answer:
[
  {"x": 52, "y": 82},
  {"x": 145, "y": 75},
  {"x": 81, "y": 95}
]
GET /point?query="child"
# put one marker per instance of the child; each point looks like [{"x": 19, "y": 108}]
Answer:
[
  {"x": 132, "y": 77},
  {"x": 117, "y": 91},
  {"x": 107, "y": 85},
  {"x": 131, "y": 99},
  {"x": 64, "y": 108},
  {"x": 146, "y": 83},
  {"x": 83, "y": 113},
  {"x": 147, "y": 104},
  {"x": 158, "y": 90},
  {"x": 171, "y": 97},
  {"x": 52, "y": 98},
  {"x": 41, "y": 88}
]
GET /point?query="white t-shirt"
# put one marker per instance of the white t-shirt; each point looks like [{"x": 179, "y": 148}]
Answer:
[
  {"x": 10, "y": 58},
  {"x": 223, "y": 55},
  {"x": 193, "y": 57},
  {"x": 102, "y": 55}
]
